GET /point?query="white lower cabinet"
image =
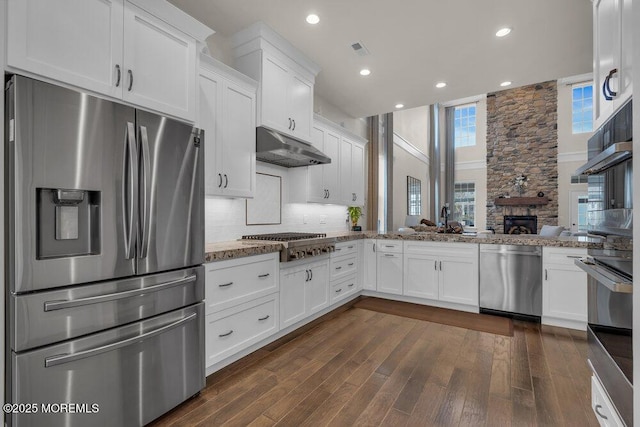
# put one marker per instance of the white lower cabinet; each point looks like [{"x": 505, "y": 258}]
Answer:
[
  {"x": 389, "y": 272},
  {"x": 241, "y": 300},
  {"x": 369, "y": 262},
  {"x": 229, "y": 331},
  {"x": 439, "y": 271},
  {"x": 602, "y": 407},
  {"x": 343, "y": 288},
  {"x": 564, "y": 288},
  {"x": 304, "y": 290}
]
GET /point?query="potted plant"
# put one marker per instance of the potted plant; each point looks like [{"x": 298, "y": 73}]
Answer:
[{"x": 355, "y": 212}]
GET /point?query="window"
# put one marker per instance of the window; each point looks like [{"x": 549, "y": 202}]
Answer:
[
  {"x": 414, "y": 196},
  {"x": 464, "y": 203},
  {"x": 464, "y": 126},
  {"x": 582, "y": 108},
  {"x": 583, "y": 204}
]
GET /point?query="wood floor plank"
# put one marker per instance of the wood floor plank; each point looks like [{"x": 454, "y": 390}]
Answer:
[{"x": 362, "y": 367}]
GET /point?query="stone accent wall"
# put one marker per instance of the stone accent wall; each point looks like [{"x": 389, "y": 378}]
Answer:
[{"x": 522, "y": 140}]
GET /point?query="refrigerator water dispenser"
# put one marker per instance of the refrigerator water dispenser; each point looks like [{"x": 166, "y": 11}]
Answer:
[{"x": 68, "y": 223}]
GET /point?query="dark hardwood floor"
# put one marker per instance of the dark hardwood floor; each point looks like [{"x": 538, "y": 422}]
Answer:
[{"x": 369, "y": 368}]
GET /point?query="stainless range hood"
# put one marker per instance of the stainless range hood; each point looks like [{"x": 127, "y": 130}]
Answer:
[
  {"x": 282, "y": 150},
  {"x": 613, "y": 155}
]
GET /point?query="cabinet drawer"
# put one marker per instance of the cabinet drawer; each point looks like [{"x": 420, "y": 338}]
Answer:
[
  {"x": 344, "y": 288},
  {"x": 602, "y": 407},
  {"x": 442, "y": 249},
  {"x": 234, "y": 329},
  {"x": 394, "y": 246},
  {"x": 234, "y": 282},
  {"x": 562, "y": 256},
  {"x": 344, "y": 248},
  {"x": 343, "y": 266}
]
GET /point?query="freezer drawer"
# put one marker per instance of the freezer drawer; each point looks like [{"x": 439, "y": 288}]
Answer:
[
  {"x": 44, "y": 318},
  {"x": 134, "y": 373}
]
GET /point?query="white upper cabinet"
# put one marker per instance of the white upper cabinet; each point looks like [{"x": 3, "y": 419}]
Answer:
[
  {"x": 286, "y": 76},
  {"x": 159, "y": 65},
  {"x": 612, "y": 54},
  {"x": 110, "y": 47},
  {"x": 74, "y": 41},
  {"x": 352, "y": 172},
  {"x": 227, "y": 112}
]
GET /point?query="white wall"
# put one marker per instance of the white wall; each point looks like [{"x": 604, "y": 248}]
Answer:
[
  {"x": 225, "y": 219},
  {"x": 413, "y": 125},
  {"x": 572, "y": 153}
]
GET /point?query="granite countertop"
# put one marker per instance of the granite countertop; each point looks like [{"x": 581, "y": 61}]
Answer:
[{"x": 237, "y": 249}]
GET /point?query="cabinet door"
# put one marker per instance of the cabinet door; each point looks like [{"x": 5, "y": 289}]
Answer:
[
  {"x": 421, "y": 276},
  {"x": 238, "y": 162},
  {"x": 369, "y": 265},
  {"x": 346, "y": 188},
  {"x": 292, "y": 297},
  {"x": 274, "y": 84},
  {"x": 626, "y": 53},
  {"x": 331, "y": 171},
  {"x": 459, "y": 281},
  {"x": 317, "y": 292},
  {"x": 209, "y": 113},
  {"x": 357, "y": 174},
  {"x": 316, "y": 191},
  {"x": 389, "y": 273},
  {"x": 159, "y": 65},
  {"x": 564, "y": 291},
  {"x": 300, "y": 106},
  {"x": 606, "y": 28},
  {"x": 73, "y": 41}
]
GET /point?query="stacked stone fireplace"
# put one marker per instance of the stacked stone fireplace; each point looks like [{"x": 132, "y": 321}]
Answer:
[{"x": 522, "y": 139}]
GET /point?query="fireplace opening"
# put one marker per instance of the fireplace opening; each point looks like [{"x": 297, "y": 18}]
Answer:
[{"x": 520, "y": 224}]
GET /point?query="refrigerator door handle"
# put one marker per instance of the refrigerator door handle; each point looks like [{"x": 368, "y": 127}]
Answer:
[
  {"x": 60, "y": 305},
  {"x": 130, "y": 197},
  {"x": 61, "y": 359},
  {"x": 146, "y": 170}
]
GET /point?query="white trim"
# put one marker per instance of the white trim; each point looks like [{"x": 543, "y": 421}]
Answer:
[
  {"x": 471, "y": 165},
  {"x": 574, "y": 156},
  {"x": 209, "y": 63},
  {"x": 582, "y": 78},
  {"x": 464, "y": 101},
  {"x": 175, "y": 17},
  {"x": 323, "y": 121},
  {"x": 410, "y": 148}
]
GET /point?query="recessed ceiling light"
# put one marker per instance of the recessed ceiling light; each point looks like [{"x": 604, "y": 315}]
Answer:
[
  {"x": 398, "y": 106},
  {"x": 503, "y": 32},
  {"x": 365, "y": 72},
  {"x": 507, "y": 83},
  {"x": 440, "y": 85},
  {"x": 313, "y": 19}
]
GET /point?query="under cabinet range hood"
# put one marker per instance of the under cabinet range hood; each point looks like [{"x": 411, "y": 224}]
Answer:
[{"x": 282, "y": 150}]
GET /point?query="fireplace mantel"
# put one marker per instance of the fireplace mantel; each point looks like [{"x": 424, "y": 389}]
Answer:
[{"x": 521, "y": 201}]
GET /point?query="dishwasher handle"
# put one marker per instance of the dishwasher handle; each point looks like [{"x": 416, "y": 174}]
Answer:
[{"x": 502, "y": 251}]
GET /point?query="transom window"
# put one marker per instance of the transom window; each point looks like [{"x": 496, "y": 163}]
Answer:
[
  {"x": 582, "y": 108},
  {"x": 464, "y": 126}
]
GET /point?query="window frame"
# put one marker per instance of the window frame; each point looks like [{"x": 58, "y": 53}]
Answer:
[
  {"x": 475, "y": 124},
  {"x": 475, "y": 201},
  {"x": 581, "y": 85}
]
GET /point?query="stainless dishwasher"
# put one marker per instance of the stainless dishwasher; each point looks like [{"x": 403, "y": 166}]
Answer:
[{"x": 511, "y": 279}]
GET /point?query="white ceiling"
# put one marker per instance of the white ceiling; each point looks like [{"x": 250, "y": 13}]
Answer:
[{"x": 416, "y": 43}]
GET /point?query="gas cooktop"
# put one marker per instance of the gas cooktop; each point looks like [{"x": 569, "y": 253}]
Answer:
[
  {"x": 284, "y": 237},
  {"x": 298, "y": 245}
]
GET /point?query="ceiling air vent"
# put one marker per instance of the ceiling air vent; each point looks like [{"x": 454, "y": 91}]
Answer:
[{"x": 360, "y": 49}]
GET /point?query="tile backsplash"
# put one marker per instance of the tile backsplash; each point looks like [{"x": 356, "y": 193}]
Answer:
[{"x": 225, "y": 219}]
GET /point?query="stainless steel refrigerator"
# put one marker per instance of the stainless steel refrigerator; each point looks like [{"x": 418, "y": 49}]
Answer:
[{"x": 104, "y": 218}]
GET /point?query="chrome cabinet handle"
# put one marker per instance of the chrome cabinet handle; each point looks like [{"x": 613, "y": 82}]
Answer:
[
  {"x": 146, "y": 171},
  {"x": 435, "y": 265},
  {"x": 60, "y": 305},
  {"x": 350, "y": 264},
  {"x": 597, "y": 409},
  {"x": 388, "y": 255},
  {"x": 294, "y": 124},
  {"x": 262, "y": 276},
  {"x": 119, "y": 74},
  {"x": 219, "y": 180},
  {"x": 328, "y": 194},
  {"x": 224, "y": 285},
  {"x": 574, "y": 256},
  {"x": 350, "y": 285},
  {"x": 606, "y": 89},
  {"x": 338, "y": 290},
  {"x": 307, "y": 272},
  {"x": 338, "y": 268},
  {"x": 545, "y": 274},
  {"x": 61, "y": 359},
  {"x": 350, "y": 247},
  {"x": 289, "y": 122},
  {"x": 130, "y": 80},
  {"x": 263, "y": 318},
  {"x": 227, "y": 334},
  {"x": 374, "y": 248},
  {"x": 311, "y": 277},
  {"x": 226, "y": 180},
  {"x": 440, "y": 265}
]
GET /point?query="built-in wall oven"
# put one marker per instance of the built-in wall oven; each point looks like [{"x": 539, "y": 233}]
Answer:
[{"x": 610, "y": 269}]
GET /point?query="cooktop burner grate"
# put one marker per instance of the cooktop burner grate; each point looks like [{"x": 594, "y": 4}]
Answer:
[{"x": 284, "y": 237}]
